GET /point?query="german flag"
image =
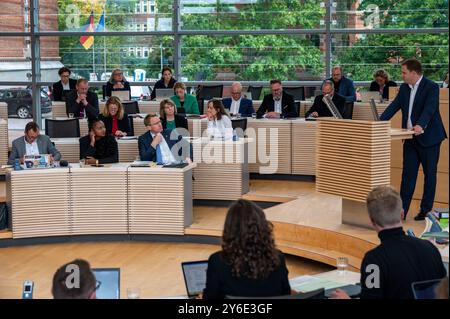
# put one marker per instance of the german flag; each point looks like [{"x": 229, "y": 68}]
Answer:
[{"x": 88, "y": 40}]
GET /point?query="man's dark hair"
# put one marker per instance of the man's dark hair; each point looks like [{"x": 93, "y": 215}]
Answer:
[
  {"x": 63, "y": 69},
  {"x": 93, "y": 122},
  {"x": 275, "y": 81},
  {"x": 31, "y": 126},
  {"x": 413, "y": 65},
  {"x": 62, "y": 285}
]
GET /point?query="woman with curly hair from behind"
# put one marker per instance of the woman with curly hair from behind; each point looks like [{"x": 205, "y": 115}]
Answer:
[{"x": 248, "y": 265}]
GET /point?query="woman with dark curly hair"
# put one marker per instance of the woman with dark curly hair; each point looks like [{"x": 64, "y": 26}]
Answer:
[{"x": 248, "y": 265}]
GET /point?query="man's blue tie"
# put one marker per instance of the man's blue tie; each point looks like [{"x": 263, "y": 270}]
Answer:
[{"x": 158, "y": 155}]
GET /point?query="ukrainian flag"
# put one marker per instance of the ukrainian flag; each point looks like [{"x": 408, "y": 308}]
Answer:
[{"x": 88, "y": 40}]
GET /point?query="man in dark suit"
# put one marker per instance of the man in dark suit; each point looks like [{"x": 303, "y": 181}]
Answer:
[
  {"x": 237, "y": 104},
  {"x": 82, "y": 103},
  {"x": 278, "y": 104},
  {"x": 319, "y": 108},
  {"x": 418, "y": 100},
  {"x": 65, "y": 85},
  {"x": 342, "y": 85},
  {"x": 162, "y": 146}
]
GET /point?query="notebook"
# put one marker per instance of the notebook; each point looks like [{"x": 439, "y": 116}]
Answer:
[
  {"x": 108, "y": 282},
  {"x": 194, "y": 273}
]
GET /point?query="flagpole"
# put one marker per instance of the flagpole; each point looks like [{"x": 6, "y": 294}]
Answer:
[
  {"x": 93, "y": 59},
  {"x": 104, "y": 39}
]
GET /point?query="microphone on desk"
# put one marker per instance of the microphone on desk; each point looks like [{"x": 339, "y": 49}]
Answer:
[{"x": 63, "y": 163}]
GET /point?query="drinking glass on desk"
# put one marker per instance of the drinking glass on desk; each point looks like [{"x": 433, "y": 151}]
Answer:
[
  {"x": 253, "y": 115},
  {"x": 341, "y": 265},
  {"x": 82, "y": 163},
  {"x": 133, "y": 293},
  {"x": 71, "y": 115}
]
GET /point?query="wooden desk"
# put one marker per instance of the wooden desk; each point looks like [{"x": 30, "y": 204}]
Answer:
[
  {"x": 115, "y": 199},
  {"x": 222, "y": 169},
  {"x": 70, "y": 149},
  {"x": 272, "y": 142},
  {"x": 303, "y": 147},
  {"x": 4, "y": 143}
]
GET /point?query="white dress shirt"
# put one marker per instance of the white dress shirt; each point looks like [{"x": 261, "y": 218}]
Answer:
[
  {"x": 220, "y": 129},
  {"x": 234, "y": 108},
  {"x": 277, "y": 106},
  {"x": 66, "y": 87},
  {"x": 166, "y": 153},
  {"x": 31, "y": 149},
  {"x": 411, "y": 101}
]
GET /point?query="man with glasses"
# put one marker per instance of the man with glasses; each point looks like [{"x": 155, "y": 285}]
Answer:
[
  {"x": 319, "y": 108},
  {"x": 75, "y": 280},
  {"x": 237, "y": 104},
  {"x": 278, "y": 104},
  {"x": 342, "y": 85},
  {"x": 162, "y": 146},
  {"x": 61, "y": 88}
]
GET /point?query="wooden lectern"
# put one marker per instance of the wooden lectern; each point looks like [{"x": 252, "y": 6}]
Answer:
[{"x": 353, "y": 157}]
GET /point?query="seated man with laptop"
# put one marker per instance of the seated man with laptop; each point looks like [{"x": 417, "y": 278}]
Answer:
[
  {"x": 156, "y": 145},
  {"x": 319, "y": 108},
  {"x": 32, "y": 143}
]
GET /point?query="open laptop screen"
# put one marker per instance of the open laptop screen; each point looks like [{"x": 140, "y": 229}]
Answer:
[
  {"x": 163, "y": 93},
  {"x": 122, "y": 95},
  {"x": 425, "y": 289},
  {"x": 108, "y": 280},
  {"x": 194, "y": 273}
]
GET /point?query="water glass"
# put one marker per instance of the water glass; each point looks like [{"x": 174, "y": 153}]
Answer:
[
  {"x": 341, "y": 265},
  {"x": 71, "y": 115},
  {"x": 133, "y": 293},
  {"x": 253, "y": 115}
]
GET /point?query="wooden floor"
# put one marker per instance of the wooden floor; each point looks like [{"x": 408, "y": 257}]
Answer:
[{"x": 153, "y": 267}]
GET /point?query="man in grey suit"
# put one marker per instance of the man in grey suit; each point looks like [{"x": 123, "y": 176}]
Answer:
[{"x": 32, "y": 143}]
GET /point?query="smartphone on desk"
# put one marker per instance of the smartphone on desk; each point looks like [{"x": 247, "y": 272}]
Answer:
[{"x": 27, "y": 292}]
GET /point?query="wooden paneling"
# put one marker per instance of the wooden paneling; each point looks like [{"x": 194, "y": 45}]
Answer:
[
  {"x": 353, "y": 157},
  {"x": 3, "y": 110},
  {"x": 59, "y": 109},
  {"x": 361, "y": 111},
  {"x": 128, "y": 150},
  {"x": 3, "y": 142},
  {"x": 40, "y": 202},
  {"x": 99, "y": 200},
  {"x": 139, "y": 127},
  {"x": 222, "y": 169},
  {"x": 160, "y": 200},
  {"x": 303, "y": 147},
  {"x": 271, "y": 151}
]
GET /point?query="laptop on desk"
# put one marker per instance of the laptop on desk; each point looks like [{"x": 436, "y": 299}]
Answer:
[
  {"x": 108, "y": 282},
  {"x": 163, "y": 93},
  {"x": 194, "y": 273},
  {"x": 122, "y": 95},
  {"x": 367, "y": 96}
]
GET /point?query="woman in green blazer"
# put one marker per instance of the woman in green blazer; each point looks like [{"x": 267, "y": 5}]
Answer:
[{"x": 184, "y": 101}]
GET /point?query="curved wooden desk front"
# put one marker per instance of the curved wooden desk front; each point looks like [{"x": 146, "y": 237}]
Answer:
[{"x": 115, "y": 199}]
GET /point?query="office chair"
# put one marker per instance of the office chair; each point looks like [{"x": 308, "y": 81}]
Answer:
[
  {"x": 315, "y": 294},
  {"x": 208, "y": 92},
  {"x": 239, "y": 126},
  {"x": 62, "y": 128},
  {"x": 297, "y": 107},
  {"x": 131, "y": 122},
  {"x": 347, "y": 113},
  {"x": 298, "y": 92},
  {"x": 131, "y": 107},
  {"x": 104, "y": 92},
  {"x": 255, "y": 91}
]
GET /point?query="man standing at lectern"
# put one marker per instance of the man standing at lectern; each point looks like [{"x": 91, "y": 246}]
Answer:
[{"x": 418, "y": 98}]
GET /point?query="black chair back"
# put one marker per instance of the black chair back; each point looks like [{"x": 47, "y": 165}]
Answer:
[
  {"x": 131, "y": 107},
  {"x": 297, "y": 92},
  {"x": 131, "y": 121},
  {"x": 62, "y": 128},
  {"x": 104, "y": 91},
  {"x": 239, "y": 126},
  {"x": 255, "y": 91},
  {"x": 208, "y": 92},
  {"x": 348, "y": 111}
]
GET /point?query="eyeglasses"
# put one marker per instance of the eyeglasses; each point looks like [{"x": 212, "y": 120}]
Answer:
[
  {"x": 118, "y": 74},
  {"x": 156, "y": 123}
]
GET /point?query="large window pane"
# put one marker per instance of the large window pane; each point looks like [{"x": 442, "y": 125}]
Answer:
[
  {"x": 110, "y": 15},
  {"x": 14, "y": 65},
  {"x": 372, "y": 14},
  {"x": 362, "y": 54},
  {"x": 251, "y": 14},
  {"x": 252, "y": 58},
  {"x": 129, "y": 53}
]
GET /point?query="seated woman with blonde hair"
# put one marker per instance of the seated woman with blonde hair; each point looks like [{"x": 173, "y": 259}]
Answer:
[{"x": 115, "y": 119}]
